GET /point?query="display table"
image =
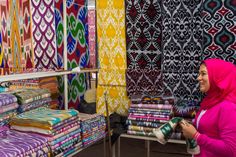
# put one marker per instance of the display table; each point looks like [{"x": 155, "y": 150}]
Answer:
[{"x": 147, "y": 141}]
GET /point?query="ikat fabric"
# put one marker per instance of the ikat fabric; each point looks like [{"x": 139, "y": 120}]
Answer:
[
  {"x": 116, "y": 98},
  {"x": 6, "y": 99},
  {"x": 112, "y": 77},
  {"x": 182, "y": 49},
  {"x": 15, "y": 39},
  {"x": 112, "y": 55},
  {"x": 77, "y": 46},
  {"x": 92, "y": 38},
  {"x": 144, "y": 82},
  {"x": 111, "y": 34},
  {"x": 43, "y": 116},
  {"x": 15, "y": 143},
  {"x": 143, "y": 34},
  {"x": 44, "y": 33},
  {"x": 219, "y": 29}
]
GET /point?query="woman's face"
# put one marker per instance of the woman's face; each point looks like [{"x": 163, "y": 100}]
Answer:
[{"x": 203, "y": 79}]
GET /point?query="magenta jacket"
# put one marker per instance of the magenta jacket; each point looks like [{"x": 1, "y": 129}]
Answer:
[{"x": 217, "y": 128}]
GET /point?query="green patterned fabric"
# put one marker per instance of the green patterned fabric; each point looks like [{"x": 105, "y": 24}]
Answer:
[
  {"x": 164, "y": 132},
  {"x": 30, "y": 95},
  {"x": 43, "y": 117}
]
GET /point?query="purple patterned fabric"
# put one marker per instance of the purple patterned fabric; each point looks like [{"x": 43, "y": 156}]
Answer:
[
  {"x": 143, "y": 82},
  {"x": 14, "y": 143},
  {"x": 6, "y": 99}
]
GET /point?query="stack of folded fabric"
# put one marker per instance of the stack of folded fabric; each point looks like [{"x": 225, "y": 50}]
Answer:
[
  {"x": 8, "y": 107},
  {"x": 14, "y": 143},
  {"x": 146, "y": 114},
  {"x": 93, "y": 128},
  {"x": 61, "y": 126},
  {"x": 29, "y": 99},
  {"x": 28, "y": 83},
  {"x": 49, "y": 83}
]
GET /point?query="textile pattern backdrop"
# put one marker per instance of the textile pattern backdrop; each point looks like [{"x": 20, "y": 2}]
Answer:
[
  {"x": 92, "y": 38},
  {"x": 182, "y": 38},
  {"x": 44, "y": 33},
  {"x": 16, "y": 45},
  {"x": 143, "y": 34},
  {"x": 60, "y": 47},
  {"x": 77, "y": 47},
  {"x": 219, "y": 29},
  {"x": 112, "y": 56},
  {"x": 143, "y": 41}
]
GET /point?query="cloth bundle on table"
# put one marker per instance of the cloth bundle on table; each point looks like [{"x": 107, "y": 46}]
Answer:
[
  {"x": 8, "y": 106},
  {"x": 32, "y": 98},
  {"x": 62, "y": 127},
  {"x": 146, "y": 114},
  {"x": 163, "y": 134},
  {"x": 19, "y": 144},
  {"x": 93, "y": 128}
]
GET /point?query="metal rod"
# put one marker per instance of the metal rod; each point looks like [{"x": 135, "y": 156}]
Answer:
[{"x": 108, "y": 126}]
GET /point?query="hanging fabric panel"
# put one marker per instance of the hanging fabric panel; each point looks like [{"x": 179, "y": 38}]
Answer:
[
  {"x": 219, "y": 29},
  {"x": 92, "y": 38},
  {"x": 16, "y": 44},
  {"x": 112, "y": 56},
  {"x": 44, "y": 33},
  {"x": 77, "y": 48},
  {"x": 182, "y": 38},
  {"x": 143, "y": 34},
  {"x": 143, "y": 40}
]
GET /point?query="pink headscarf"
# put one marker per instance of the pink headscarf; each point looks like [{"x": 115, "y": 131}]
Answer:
[{"x": 222, "y": 78}]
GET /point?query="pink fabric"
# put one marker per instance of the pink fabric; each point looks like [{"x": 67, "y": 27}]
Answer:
[
  {"x": 222, "y": 77},
  {"x": 217, "y": 130}
]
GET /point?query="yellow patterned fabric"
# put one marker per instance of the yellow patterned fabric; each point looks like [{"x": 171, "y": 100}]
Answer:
[
  {"x": 116, "y": 98},
  {"x": 111, "y": 34},
  {"x": 112, "y": 56},
  {"x": 112, "y": 77}
]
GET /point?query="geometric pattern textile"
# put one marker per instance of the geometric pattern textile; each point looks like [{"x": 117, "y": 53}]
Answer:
[
  {"x": 77, "y": 48},
  {"x": 14, "y": 143},
  {"x": 92, "y": 38},
  {"x": 144, "y": 81},
  {"x": 111, "y": 34},
  {"x": 182, "y": 38},
  {"x": 117, "y": 100},
  {"x": 181, "y": 85},
  {"x": 219, "y": 27},
  {"x": 143, "y": 34},
  {"x": 112, "y": 55},
  {"x": 44, "y": 33},
  {"x": 16, "y": 48}
]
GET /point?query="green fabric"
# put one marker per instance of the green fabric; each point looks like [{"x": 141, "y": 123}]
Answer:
[{"x": 164, "y": 132}]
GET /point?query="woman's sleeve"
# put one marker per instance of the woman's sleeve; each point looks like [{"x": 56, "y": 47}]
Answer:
[{"x": 226, "y": 145}]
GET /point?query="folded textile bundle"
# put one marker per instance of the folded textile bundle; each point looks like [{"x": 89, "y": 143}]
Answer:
[
  {"x": 93, "y": 127},
  {"x": 8, "y": 106},
  {"x": 42, "y": 117},
  {"x": 18, "y": 144},
  {"x": 62, "y": 127},
  {"x": 164, "y": 132}
]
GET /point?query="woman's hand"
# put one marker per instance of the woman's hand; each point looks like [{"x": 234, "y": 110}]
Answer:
[{"x": 188, "y": 129}]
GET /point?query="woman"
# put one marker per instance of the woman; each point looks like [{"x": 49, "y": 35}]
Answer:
[{"x": 215, "y": 123}]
